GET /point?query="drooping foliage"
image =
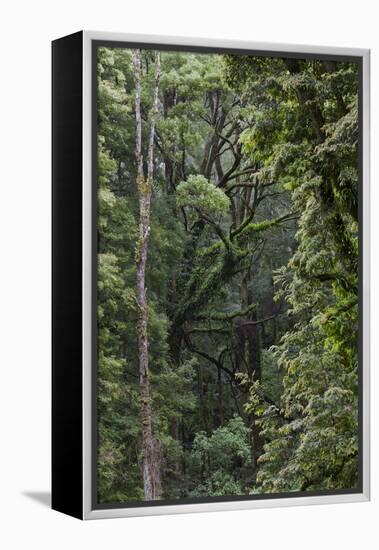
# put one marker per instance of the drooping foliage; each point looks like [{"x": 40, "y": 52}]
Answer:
[{"x": 311, "y": 438}]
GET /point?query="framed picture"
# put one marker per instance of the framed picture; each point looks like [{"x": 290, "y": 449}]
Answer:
[{"x": 210, "y": 275}]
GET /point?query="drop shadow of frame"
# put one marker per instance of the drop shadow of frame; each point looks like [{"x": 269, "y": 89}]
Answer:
[{"x": 41, "y": 497}]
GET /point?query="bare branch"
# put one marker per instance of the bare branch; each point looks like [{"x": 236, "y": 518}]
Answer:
[{"x": 209, "y": 358}]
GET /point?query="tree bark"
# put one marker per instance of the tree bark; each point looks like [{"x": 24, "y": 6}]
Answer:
[{"x": 150, "y": 446}]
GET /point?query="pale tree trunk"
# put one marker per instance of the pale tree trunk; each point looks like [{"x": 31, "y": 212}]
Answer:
[{"x": 150, "y": 446}]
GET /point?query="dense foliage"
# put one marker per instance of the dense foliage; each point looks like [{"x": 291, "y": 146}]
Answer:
[{"x": 252, "y": 275}]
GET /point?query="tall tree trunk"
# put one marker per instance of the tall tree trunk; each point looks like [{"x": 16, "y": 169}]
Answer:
[
  {"x": 250, "y": 348},
  {"x": 220, "y": 397},
  {"x": 150, "y": 447}
]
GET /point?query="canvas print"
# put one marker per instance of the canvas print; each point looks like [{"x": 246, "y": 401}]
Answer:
[{"x": 227, "y": 240}]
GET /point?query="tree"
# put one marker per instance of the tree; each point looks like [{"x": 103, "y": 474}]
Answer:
[
  {"x": 227, "y": 275},
  {"x": 311, "y": 438},
  {"x": 150, "y": 446}
]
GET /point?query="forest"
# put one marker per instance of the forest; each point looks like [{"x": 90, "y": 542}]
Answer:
[{"x": 227, "y": 275}]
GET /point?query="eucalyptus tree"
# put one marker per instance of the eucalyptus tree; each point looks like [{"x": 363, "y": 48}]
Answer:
[{"x": 150, "y": 445}]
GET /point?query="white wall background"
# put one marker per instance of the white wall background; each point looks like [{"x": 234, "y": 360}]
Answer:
[{"x": 27, "y": 27}]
